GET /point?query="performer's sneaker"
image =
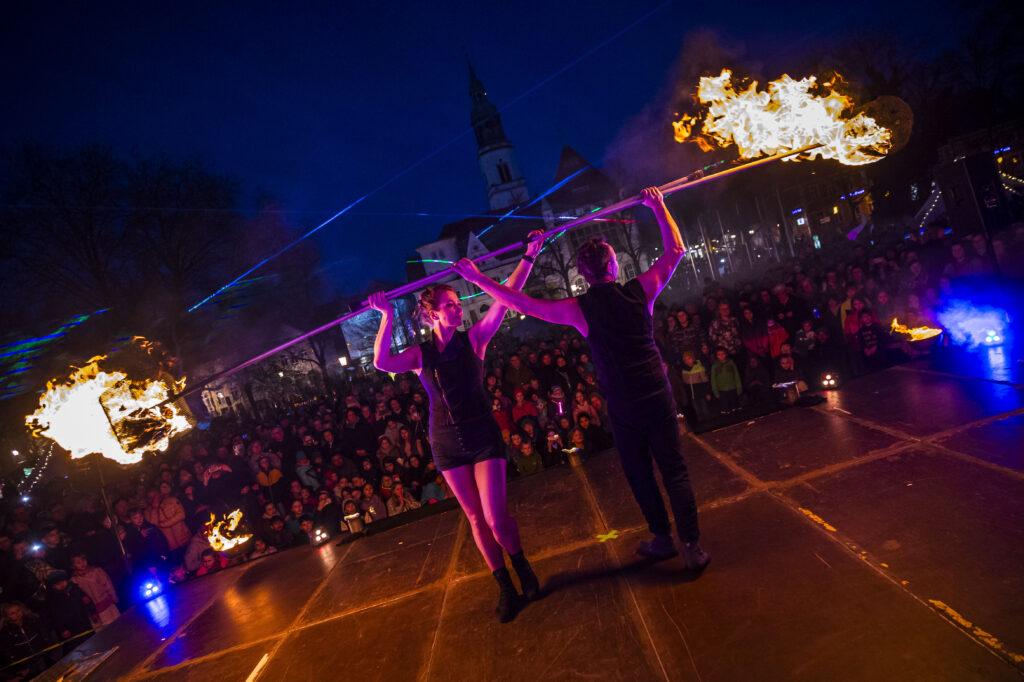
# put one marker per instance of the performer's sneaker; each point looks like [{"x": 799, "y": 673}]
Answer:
[
  {"x": 694, "y": 557},
  {"x": 659, "y": 547}
]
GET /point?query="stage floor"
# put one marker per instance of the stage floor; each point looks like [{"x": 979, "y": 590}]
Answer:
[{"x": 878, "y": 536}]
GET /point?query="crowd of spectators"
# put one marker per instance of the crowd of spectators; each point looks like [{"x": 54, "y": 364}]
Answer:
[
  {"x": 339, "y": 464},
  {"x": 819, "y": 323}
]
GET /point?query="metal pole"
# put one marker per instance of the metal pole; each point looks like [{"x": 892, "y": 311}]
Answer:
[
  {"x": 761, "y": 223},
  {"x": 743, "y": 238},
  {"x": 725, "y": 240},
  {"x": 693, "y": 264},
  {"x": 785, "y": 225},
  {"x": 110, "y": 514},
  {"x": 686, "y": 182},
  {"x": 707, "y": 249}
]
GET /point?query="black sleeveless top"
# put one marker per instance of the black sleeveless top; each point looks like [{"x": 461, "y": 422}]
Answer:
[
  {"x": 454, "y": 382},
  {"x": 621, "y": 338}
]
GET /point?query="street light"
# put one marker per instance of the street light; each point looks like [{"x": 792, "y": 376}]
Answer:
[{"x": 281, "y": 374}]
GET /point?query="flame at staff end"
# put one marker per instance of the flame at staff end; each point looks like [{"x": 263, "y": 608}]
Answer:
[
  {"x": 106, "y": 412},
  {"x": 914, "y": 333},
  {"x": 788, "y": 115}
]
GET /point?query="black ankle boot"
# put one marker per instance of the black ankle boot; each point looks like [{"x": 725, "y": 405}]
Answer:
[
  {"x": 527, "y": 578},
  {"x": 508, "y": 598}
]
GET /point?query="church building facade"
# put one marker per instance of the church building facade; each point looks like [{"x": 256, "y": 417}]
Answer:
[{"x": 555, "y": 274}]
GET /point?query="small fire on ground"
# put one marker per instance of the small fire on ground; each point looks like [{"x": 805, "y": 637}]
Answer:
[{"x": 223, "y": 535}]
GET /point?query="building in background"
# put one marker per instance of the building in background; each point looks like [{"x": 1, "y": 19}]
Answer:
[{"x": 511, "y": 216}]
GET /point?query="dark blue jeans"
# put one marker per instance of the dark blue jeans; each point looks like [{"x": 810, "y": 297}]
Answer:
[{"x": 644, "y": 435}]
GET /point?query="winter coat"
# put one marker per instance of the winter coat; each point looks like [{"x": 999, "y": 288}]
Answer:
[
  {"x": 169, "y": 517},
  {"x": 725, "y": 376},
  {"x": 397, "y": 506},
  {"x": 307, "y": 476},
  {"x": 18, "y": 642},
  {"x": 97, "y": 586},
  {"x": 146, "y": 545}
]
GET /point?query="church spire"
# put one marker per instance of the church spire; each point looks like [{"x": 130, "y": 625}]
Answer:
[
  {"x": 476, "y": 88},
  {"x": 484, "y": 115},
  {"x": 505, "y": 186}
]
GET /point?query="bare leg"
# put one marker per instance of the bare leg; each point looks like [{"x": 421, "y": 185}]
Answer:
[
  {"x": 491, "y": 480},
  {"x": 462, "y": 482}
]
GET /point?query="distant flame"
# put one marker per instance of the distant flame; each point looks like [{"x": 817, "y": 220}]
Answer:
[
  {"x": 81, "y": 413},
  {"x": 220, "y": 534},
  {"x": 914, "y": 333},
  {"x": 789, "y": 115}
]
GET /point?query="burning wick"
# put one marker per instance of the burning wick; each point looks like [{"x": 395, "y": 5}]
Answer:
[{"x": 914, "y": 333}]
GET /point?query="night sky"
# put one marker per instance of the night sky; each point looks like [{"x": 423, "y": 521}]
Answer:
[{"x": 319, "y": 106}]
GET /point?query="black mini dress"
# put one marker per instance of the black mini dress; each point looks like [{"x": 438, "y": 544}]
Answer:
[{"x": 462, "y": 430}]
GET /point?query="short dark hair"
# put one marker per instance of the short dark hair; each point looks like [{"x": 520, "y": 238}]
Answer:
[{"x": 594, "y": 258}]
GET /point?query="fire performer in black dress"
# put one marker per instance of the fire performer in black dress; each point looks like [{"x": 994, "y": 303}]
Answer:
[
  {"x": 464, "y": 437},
  {"x": 617, "y": 321}
]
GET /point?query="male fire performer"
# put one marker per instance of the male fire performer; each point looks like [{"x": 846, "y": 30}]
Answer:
[{"x": 617, "y": 320}]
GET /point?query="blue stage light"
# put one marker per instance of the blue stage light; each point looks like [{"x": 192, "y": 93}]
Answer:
[
  {"x": 150, "y": 588},
  {"x": 974, "y": 325}
]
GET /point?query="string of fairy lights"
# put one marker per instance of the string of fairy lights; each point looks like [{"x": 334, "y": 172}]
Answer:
[
  {"x": 29, "y": 483},
  {"x": 1012, "y": 178},
  {"x": 931, "y": 207}
]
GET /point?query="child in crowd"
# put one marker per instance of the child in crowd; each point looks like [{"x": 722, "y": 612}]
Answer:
[
  {"x": 786, "y": 374},
  {"x": 869, "y": 336},
  {"x": 527, "y": 460},
  {"x": 777, "y": 336},
  {"x": 725, "y": 382},
  {"x": 698, "y": 388},
  {"x": 803, "y": 344}
]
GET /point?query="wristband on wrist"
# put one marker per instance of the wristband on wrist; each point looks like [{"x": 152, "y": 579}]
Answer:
[{"x": 527, "y": 257}]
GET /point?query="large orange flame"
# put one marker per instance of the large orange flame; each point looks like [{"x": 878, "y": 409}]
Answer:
[
  {"x": 221, "y": 534},
  {"x": 914, "y": 333},
  {"x": 106, "y": 412},
  {"x": 789, "y": 114}
]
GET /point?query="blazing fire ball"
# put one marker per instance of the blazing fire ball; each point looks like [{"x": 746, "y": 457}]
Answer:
[
  {"x": 794, "y": 114},
  {"x": 114, "y": 408}
]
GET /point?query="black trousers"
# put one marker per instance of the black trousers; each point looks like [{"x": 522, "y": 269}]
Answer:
[{"x": 647, "y": 436}]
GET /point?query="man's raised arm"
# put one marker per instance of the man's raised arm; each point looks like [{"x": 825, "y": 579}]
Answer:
[
  {"x": 658, "y": 275},
  {"x": 563, "y": 311}
]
